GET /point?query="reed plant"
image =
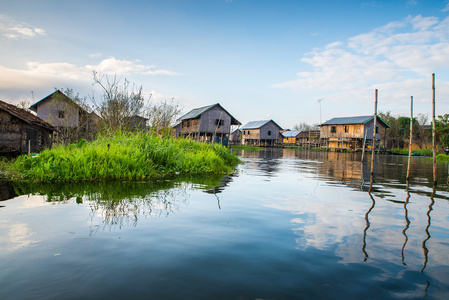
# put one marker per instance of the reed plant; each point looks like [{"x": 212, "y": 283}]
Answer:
[{"x": 122, "y": 156}]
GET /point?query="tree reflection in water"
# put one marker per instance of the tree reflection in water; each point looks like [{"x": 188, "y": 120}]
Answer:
[{"x": 117, "y": 204}]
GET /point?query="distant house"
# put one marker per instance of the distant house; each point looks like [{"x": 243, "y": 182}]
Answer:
[
  {"x": 72, "y": 121},
  {"x": 236, "y": 137},
  {"x": 290, "y": 136},
  {"x": 352, "y": 132},
  {"x": 136, "y": 123},
  {"x": 263, "y": 133},
  {"x": 301, "y": 137},
  {"x": 208, "y": 124},
  {"x": 177, "y": 128},
  {"x": 21, "y": 131}
]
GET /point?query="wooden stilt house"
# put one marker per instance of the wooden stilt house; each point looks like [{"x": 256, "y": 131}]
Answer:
[
  {"x": 208, "y": 124},
  {"x": 352, "y": 132},
  {"x": 261, "y": 133}
]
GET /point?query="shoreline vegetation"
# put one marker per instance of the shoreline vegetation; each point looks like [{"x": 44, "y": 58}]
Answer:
[{"x": 122, "y": 156}]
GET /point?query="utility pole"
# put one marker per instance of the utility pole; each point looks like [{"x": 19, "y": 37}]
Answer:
[{"x": 319, "y": 101}]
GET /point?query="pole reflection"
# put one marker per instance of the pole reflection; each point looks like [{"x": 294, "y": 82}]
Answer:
[
  {"x": 424, "y": 243},
  {"x": 407, "y": 223}
]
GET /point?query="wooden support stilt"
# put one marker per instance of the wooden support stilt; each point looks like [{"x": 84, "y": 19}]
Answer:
[
  {"x": 411, "y": 138},
  {"x": 374, "y": 134}
]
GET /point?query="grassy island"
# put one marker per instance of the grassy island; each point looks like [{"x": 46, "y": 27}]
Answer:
[{"x": 123, "y": 156}]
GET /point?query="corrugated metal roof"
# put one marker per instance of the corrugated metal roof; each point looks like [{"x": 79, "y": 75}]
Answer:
[
  {"x": 291, "y": 133},
  {"x": 353, "y": 120},
  {"x": 196, "y": 112},
  {"x": 258, "y": 124}
]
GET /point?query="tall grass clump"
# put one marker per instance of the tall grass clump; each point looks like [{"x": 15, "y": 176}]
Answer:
[{"x": 123, "y": 156}]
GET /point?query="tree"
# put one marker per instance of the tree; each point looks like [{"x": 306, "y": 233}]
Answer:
[
  {"x": 118, "y": 103},
  {"x": 304, "y": 126},
  {"x": 162, "y": 116},
  {"x": 442, "y": 130}
]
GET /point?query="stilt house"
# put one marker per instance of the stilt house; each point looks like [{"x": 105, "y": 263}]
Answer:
[
  {"x": 21, "y": 131},
  {"x": 208, "y": 124},
  {"x": 352, "y": 132},
  {"x": 260, "y": 133}
]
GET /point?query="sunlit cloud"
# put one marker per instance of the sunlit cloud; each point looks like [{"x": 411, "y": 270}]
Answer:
[{"x": 38, "y": 76}]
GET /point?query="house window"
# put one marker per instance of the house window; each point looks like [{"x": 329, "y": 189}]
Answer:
[
  {"x": 357, "y": 128},
  {"x": 269, "y": 132},
  {"x": 219, "y": 122},
  {"x": 377, "y": 129},
  {"x": 333, "y": 129},
  {"x": 61, "y": 114},
  {"x": 244, "y": 132},
  {"x": 346, "y": 129}
]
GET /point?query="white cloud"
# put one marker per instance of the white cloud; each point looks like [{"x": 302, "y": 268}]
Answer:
[
  {"x": 446, "y": 8},
  {"x": 399, "y": 55},
  {"x": 126, "y": 67},
  {"x": 16, "y": 31},
  {"x": 95, "y": 55}
]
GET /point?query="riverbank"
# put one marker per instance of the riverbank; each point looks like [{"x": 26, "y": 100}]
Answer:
[{"x": 123, "y": 156}]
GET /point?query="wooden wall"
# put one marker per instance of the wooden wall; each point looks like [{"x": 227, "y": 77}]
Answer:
[
  {"x": 49, "y": 112},
  {"x": 209, "y": 119},
  {"x": 17, "y": 136}
]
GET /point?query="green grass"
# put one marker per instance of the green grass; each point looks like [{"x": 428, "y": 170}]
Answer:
[
  {"x": 124, "y": 156},
  {"x": 245, "y": 147},
  {"x": 423, "y": 152}
]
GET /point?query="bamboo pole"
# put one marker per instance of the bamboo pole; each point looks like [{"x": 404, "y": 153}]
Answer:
[
  {"x": 411, "y": 138},
  {"x": 364, "y": 143},
  {"x": 374, "y": 133},
  {"x": 433, "y": 131}
]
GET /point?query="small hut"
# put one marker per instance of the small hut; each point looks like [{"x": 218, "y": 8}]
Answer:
[{"x": 21, "y": 131}]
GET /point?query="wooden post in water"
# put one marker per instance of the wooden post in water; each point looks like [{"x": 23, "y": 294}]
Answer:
[
  {"x": 374, "y": 133},
  {"x": 364, "y": 143},
  {"x": 433, "y": 132},
  {"x": 411, "y": 138}
]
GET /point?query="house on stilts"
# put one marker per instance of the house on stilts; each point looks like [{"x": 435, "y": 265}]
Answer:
[
  {"x": 207, "y": 124},
  {"x": 352, "y": 133},
  {"x": 261, "y": 133}
]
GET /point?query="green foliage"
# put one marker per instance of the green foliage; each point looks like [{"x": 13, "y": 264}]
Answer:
[
  {"x": 442, "y": 130},
  {"x": 443, "y": 157},
  {"x": 124, "y": 156},
  {"x": 421, "y": 152}
]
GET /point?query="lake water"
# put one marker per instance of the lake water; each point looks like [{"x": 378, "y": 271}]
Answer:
[{"x": 290, "y": 224}]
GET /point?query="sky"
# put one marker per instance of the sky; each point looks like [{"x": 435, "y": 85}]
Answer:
[{"x": 290, "y": 61}]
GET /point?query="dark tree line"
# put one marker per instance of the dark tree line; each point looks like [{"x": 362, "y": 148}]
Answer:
[{"x": 399, "y": 132}]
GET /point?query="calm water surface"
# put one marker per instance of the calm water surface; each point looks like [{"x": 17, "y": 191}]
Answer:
[{"x": 289, "y": 224}]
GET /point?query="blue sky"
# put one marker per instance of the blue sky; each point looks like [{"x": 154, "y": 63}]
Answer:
[{"x": 258, "y": 59}]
